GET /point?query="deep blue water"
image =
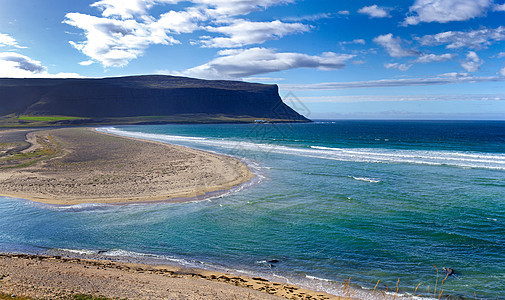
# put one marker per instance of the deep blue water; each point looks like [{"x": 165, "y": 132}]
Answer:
[{"x": 371, "y": 200}]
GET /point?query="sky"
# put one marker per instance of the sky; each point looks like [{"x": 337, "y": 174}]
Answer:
[{"x": 345, "y": 59}]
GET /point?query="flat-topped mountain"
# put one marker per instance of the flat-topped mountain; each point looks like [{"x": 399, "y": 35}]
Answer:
[{"x": 141, "y": 99}]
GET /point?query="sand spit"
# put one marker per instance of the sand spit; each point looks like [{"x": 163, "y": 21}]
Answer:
[
  {"x": 77, "y": 165},
  {"x": 55, "y": 277}
]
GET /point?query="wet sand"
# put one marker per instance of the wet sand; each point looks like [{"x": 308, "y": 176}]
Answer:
[{"x": 77, "y": 165}]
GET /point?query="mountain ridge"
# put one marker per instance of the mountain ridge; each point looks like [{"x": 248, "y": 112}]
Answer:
[{"x": 144, "y": 96}]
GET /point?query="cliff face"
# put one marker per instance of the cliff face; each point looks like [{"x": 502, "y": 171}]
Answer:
[{"x": 141, "y": 96}]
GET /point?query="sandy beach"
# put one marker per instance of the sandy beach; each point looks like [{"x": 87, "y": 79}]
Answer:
[
  {"x": 77, "y": 165},
  {"x": 54, "y": 277}
]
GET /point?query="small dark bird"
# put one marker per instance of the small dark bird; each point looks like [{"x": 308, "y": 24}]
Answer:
[{"x": 449, "y": 271}]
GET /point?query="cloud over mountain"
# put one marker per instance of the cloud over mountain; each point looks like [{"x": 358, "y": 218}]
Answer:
[{"x": 239, "y": 63}]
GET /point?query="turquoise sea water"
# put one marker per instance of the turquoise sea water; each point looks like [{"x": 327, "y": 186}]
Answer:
[{"x": 370, "y": 200}]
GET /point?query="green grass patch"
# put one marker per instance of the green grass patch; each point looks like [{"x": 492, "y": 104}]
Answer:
[{"x": 48, "y": 118}]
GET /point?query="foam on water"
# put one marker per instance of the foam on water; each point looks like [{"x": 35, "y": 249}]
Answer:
[
  {"x": 78, "y": 207},
  {"x": 369, "y": 155},
  {"x": 366, "y": 179}
]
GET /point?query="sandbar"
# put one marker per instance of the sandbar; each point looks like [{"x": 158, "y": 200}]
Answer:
[{"x": 78, "y": 165}]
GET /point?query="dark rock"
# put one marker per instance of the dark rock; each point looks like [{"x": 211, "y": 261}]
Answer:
[
  {"x": 273, "y": 261},
  {"x": 449, "y": 271}
]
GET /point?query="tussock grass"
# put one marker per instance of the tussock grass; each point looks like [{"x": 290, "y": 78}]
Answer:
[{"x": 386, "y": 294}]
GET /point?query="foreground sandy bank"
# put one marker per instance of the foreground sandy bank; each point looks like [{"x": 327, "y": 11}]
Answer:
[
  {"x": 58, "y": 278},
  {"x": 77, "y": 165}
]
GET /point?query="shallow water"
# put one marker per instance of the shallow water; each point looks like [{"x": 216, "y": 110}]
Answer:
[{"x": 371, "y": 200}]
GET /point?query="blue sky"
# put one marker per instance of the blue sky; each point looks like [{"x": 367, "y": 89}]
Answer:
[{"x": 410, "y": 59}]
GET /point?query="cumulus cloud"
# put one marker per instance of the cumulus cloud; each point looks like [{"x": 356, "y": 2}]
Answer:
[
  {"x": 115, "y": 42},
  {"x": 475, "y": 39},
  {"x": 344, "y": 12},
  {"x": 243, "y": 32},
  {"x": 472, "y": 63},
  {"x": 15, "y": 65},
  {"x": 6, "y": 40},
  {"x": 428, "y": 58},
  {"x": 394, "y": 46},
  {"x": 439, "y": 80},
  {"x": 180, "y": 21},
  {"x": 126, "y": 29},
  {"x": 374, "y": 11},
  {"x": 398, "y": 66},
  {"x": 127, "y": 9},
  {"x": 443, "y": 11},
  {"x": 239, "y": 63},
  {"x": 502, "y": 72}
]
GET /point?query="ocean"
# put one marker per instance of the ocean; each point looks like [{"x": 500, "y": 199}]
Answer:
[{"x": 331, "y": 200}]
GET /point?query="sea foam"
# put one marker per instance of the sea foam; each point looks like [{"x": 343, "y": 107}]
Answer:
[{"x": 368, "y": 155}]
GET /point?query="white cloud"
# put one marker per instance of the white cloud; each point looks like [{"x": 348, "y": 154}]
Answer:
[
  {"x": 344, "y": 12},
  {"x": 443, "y": 11},
  {"x": 472, "y": 63},
  {"x": 218, "y": 8},
  {"x": 502, "y": 72},
  {"x": 394, "y": 46},
  {"x": 6, "y": 40},
  {"x": 310, "y": 18},
  {"x": 500, "y": 55},
  {"x": 355, "y": 41},
  {"x": 180, "y": 21},
  {"x": 428, "y": 58},
  {"x": 499, "y": 7},
  {"x": 398, "y": 66},
  {"x": 239, "y": 63},
  {"x": 86, "y": 63},
  {"x": 15, "y": 65},
  {"x": 126, "y": 28},
  {"x": 475, "y": 39},
  {"x": 374, "y": 11},
  {"x": 127, "y": 9},
  {"x": 452, "y": 78},
  {"x": 243, "y": 32},
  {"x": 115, "y": 42}
]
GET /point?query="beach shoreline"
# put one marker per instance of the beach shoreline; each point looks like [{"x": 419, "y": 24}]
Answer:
[
  {"x": 41, "y": 276},
  {"x": 88, "y": 166}
]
